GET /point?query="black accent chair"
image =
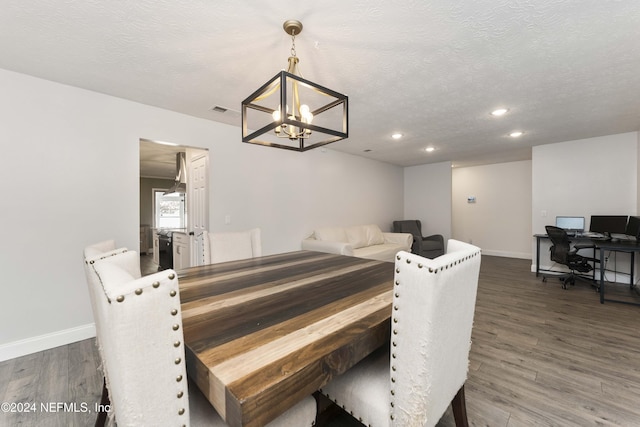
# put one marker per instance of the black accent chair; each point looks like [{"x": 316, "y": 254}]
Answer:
[
  {"x": 563, "y": 253},
  {"x": 428, "y": 247}
]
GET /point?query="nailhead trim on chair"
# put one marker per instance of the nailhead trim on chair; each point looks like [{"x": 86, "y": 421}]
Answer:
[
  {"x": 341, "y": 406},
  {"x": 91, "y": 262},
  {"x": 395, "y": 332},
  {"x": 178, "y": 360},
  {"x": 121, "y": 251},
  {"x": 176, "y": 327}
]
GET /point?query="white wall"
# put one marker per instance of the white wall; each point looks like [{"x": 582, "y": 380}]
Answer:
[
  {"x": 289, "y": 194},
  {"x": 427, "y": 190},
  {"x": 499, "y": 221},
  {"x": 595, "y": 176},
  {"x": 637, "y": 258},
  {"x": 72, "y": 179}
]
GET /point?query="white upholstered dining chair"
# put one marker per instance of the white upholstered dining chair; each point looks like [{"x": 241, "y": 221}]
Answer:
[
  {"x": 231, "y": 246},
  {"x": 92, "y": 253},
  {"x": 97, "y": 249},
  {"x": 140, "y": 328},
  {"x": 412, "y": 382}
]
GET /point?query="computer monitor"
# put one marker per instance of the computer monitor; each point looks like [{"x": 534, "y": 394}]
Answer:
[
  {"x": 570, "y": 223},
  {"x": 608, "y": 224},
  {"x": 633, "y": 226}
]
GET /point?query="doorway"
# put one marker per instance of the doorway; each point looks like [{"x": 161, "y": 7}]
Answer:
[{"x": 185, "y": 212}]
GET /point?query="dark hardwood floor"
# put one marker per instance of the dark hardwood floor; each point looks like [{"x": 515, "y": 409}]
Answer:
[
  {"x": 147, "y": 265},
  {"x": 541, "y": 356}
]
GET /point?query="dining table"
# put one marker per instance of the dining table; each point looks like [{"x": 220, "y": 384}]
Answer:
[{"x": 263, "y": 333}]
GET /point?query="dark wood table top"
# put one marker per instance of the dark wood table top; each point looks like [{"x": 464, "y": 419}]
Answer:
[{"x": 262, "y": 334}]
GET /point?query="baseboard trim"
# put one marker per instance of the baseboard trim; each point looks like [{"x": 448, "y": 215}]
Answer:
[
  {"x": 44, "y": 342},
  {"x": 506, "y": 254}
]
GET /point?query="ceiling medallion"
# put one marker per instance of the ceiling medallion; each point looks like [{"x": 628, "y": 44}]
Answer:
[{"x": 293, "y": 113}]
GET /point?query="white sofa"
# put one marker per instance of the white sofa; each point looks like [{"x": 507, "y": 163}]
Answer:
[{"x": 362, "y": 241}]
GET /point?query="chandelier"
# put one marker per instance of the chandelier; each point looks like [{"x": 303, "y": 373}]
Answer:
[{"x": 293, "y": 113}]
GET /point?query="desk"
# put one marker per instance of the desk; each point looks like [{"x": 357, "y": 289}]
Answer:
[
  {"x": 602, "y": 245},
  {"x": 261, "y": 334},
  {"x": 619, "y": 246}
]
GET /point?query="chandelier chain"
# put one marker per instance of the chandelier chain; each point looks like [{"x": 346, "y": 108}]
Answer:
[{"x": 293, "y": 43}]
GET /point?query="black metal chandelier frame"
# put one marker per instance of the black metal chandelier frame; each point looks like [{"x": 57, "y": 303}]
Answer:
[{"x": 299, "y": 139}]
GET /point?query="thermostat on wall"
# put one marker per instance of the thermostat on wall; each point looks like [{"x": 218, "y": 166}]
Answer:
[{"x": 471, "y": 199}]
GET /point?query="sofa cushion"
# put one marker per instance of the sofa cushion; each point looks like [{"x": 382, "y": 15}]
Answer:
[
  {"x": 374, "y": 235},
  {"x": 333, "y": 234},
  {"x": 384, "y": 252},
  {"x": 357, "y": 236}
]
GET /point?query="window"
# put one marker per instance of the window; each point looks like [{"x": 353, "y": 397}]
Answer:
[{"x": 168, "y": 210}]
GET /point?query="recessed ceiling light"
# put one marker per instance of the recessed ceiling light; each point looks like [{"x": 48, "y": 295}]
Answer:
[
  {"x": 429, "y": 149},
  {"x": 516, "y": 134},
  {"x": 499, "y": 112},
  {"x": 396, "y": 135}
]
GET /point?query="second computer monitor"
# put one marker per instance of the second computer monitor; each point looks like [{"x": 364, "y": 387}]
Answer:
[
  {"x": 608, "y": 224},
  {"x": 633, "y": 226}
]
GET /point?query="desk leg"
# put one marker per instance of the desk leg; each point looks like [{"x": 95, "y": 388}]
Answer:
[
  {"x": 537, "y": 255},
  {"x": 594, "y": 265},
  {"x": 601, "y": 276},
  {"x": 633, "y": 262}
]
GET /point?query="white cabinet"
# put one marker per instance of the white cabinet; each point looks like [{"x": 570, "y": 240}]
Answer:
[
  {"x": 156, "y": 247},
  {"x": 181, "y": 251}
]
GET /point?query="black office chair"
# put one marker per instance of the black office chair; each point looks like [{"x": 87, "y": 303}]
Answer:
[
  {"x": 428, "y": 247},
  {"x": 563, "y": 253}
]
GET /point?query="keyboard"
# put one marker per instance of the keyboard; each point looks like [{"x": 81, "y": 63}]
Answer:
[{"x": 593, "y": 235}]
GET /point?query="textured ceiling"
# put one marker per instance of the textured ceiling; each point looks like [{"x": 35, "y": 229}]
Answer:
[{"x": 433, "y": 70}]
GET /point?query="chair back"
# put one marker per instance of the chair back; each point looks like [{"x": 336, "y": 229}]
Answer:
[
  {"x": 97, "y": 249},
  {"x": 231, "y": 246},
  {"x": 412, "y": 226},
  {"x": 560, "y": 244},
  {"x": 432, "y": 317},
  {"x": 93, "y": 253},
  {"x": 140, "y": 323}
]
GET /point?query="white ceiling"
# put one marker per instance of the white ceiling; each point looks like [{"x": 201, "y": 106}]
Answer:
[
  {"x": 433, "y": 70},
  {"x": 158, "y": 160}
]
